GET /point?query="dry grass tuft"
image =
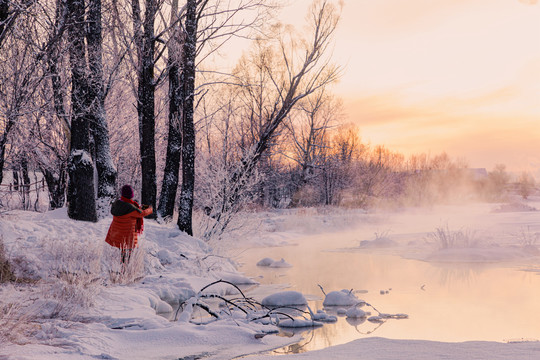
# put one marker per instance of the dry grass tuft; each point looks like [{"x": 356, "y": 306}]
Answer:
[
  {"x": 121, "y": 273},
  {"x": 449, "y": 239},
  {"x": 6, "y": 273}
]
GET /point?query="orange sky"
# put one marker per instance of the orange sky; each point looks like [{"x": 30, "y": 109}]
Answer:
[{"x": 461, "y": 76}]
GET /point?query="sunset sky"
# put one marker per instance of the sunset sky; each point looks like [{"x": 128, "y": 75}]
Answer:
[{"x": 461, "y": 76}]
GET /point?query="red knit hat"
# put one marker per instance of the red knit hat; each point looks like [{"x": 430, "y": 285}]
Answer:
[{"x": 127, "y": 191}]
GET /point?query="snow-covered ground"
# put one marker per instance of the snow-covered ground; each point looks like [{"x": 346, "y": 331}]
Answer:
[{"x": 76, "y": 303}]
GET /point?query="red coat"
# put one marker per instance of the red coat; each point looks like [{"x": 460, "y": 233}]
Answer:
[{"x": 123, "y": 232}]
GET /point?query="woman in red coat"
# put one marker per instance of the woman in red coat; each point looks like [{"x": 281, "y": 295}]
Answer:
[{"x": 127, "y": 223}]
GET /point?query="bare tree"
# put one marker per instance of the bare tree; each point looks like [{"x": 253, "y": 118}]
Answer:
[
  {"x": 204, "y": 27},
  {"x": 281, "y": 74},
  {"x": 308, "y": 129}
]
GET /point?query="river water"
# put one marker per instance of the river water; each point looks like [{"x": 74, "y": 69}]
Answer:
[{"x": 450, "y": 302}]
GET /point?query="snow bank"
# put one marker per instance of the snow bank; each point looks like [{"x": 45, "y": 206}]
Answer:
[
  {"x": 385, "y": 349},
  {"x": 83, "y": 307}
]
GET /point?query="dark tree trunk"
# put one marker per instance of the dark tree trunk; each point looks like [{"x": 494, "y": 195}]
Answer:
[
  {"x": 56, "y": 184},
  {"x": 81, "y": 192},
  {"x": 15, "y": 180},
  {"x": 26, "y": 183},
  {"x": 174, "y": 142},
  {"x": 4, "y": 11},
  {"x": 145, "y": 43},
  {"x": 56, "y": 177},
  {"x": 106, "y": 190},
  {"x": 185, "y": 209},
  {"x": 3, "y": 144},
  {"x": 145, "y": 99},
  {"x": 174, "y": 147}
]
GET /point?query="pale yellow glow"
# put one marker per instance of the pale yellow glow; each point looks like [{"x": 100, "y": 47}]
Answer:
[{"x": 461, "y": 76}]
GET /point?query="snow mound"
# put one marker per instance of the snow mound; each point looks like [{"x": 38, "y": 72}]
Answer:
[
  {"x": 341, "y": 298},
  {"x": 324, "y": 317},
  {"x": 355, "y": 313},
  {"x": 285, "y": 298},
  {"x": 265, "y": 262}
]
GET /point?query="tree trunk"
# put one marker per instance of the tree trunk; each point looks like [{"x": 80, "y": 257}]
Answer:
[
  {"x": 26, "y": 183},
  {"x": 106, "y": 171},
  {"x": 145, "y": 100},
  {"x": 3, "y": 144},
  {"x": 174, "y": 142},
  {"x": 4, "y": 12},
  {"x": 81, "y": 191},
  {"x": 185, "y": 209},
  {"x": 56, "y": 184}
]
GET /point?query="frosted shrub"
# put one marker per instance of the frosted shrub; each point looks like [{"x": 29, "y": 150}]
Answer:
[
  {"x": 224, "y": 190},
  {"x": 75, "y": 269},
  {"x": 306, "y": 196},
  {"x": 527, "y": 237},
  {"x": 74, "y": 261}
]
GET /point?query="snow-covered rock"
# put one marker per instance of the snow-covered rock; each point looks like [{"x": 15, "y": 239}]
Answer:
[
  {"x": 355, "y": 313},
  {"x": 324, "y": 317},
  {"x": 285, "y": 298},
  {"x": 265, "y": 262},
  {"x": 280, "y": 264},
  {"x": 341, "y": 298}
]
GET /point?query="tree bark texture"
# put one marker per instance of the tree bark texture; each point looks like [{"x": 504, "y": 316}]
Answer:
[
  {"x": 106, "y": 171},
  {"x": 174, "y": 141},
  {"x": 56, "y": 183},
  {"x": 185, "y": 209},
  {"x": 3, "y": 144},
  {"x": 174, "y": 146},
  {"x": 145, "y": 100},
  {"x": 4, "y": 11},
  {"x": 81, "y": 191}
]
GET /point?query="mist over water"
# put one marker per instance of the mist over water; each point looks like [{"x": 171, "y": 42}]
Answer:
[{"x": 482, "y": 286}]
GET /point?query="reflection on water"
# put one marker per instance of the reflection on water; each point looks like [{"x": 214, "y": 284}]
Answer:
[{"x": 445, "y": 302}]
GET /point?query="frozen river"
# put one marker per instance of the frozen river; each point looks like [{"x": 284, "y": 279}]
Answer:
[{"x": 451, "y": 302}]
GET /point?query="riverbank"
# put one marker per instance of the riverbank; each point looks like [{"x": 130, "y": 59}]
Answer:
[{"x": 61, "y": 313}]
